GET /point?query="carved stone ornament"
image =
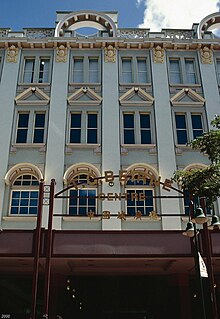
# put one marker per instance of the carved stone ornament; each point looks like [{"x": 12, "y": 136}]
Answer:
[
  {"x": 61, "y": 55},
  {"x": 110, "y": 54},
  {"x": 158, "y": 54},
  {"x": 206, "y": 55},
  {"x": 12, "y": 54}
]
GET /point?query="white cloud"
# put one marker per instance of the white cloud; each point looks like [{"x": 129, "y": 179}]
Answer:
[{"x": 175, "y": 14}]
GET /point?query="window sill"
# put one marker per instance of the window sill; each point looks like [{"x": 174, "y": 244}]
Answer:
[
  {"x": 183, "y": 85},
  {"x": 33, "y": 84},
  {"x": 70, "y": 147},
  {"x": 81, "y": 218},
  {"x": 19, "y": 218},
  {"x": 135, "y": 84},
  {"x": 40, "y": 146},
  {"x": 144, "y": 146}
]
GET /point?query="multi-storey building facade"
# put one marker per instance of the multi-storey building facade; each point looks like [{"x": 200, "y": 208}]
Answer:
[{"x": 108, "y": 115}]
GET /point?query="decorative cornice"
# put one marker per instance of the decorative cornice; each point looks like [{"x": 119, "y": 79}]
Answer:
[
  {"x": 147, "y": 99},
  {"x": 74, "y": 98},
  {"x": 22, "y": 98},
  {"x": 196, "y": 99}
]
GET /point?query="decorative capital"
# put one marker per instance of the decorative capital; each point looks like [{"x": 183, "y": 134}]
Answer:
[
  {"x": 12, "y": 54},
  {"x": 110, "y": 54},
  {"x": 206, "y": 55},
  {"x": 61, "y": 54},
  {"x": 158, "y": 54}
]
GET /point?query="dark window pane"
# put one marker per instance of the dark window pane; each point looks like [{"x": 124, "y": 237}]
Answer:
[
  {"x": 38, "y": 136},
  {"x": 145, "y": 120},
  {"x": 129, "y": 120},
  {"x": 75, "y": 120},
  {"x": 145, "y": 137},
  {"x": 39, "y": 120},
  {"x": 23, "y": 120},
  {"x": 129, "y": 137},
  {"x": 75, "y": 136},
  {"x": 181, "y": 137},
  {"x": 92, "y": 136},
  {"x": 92, "y": 120},
  {"x": 21, "y": 136},
  {"x": 180, "y": 121}
]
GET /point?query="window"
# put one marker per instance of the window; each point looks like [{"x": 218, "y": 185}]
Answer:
[
  {"x": 139, "y": 197},
  {"x": 84, "y": 127},
  {"x": 188, "y": 127},
  {"x": 24, "y": 196},
  {"x": 183, "y": 70},
  {"x": 36, "y": 69},
  {"x": 30, "y": 127},
  {"x": 218, "y": 70},
  {"x": 134, "y": 70},
  {"x": 86, "y": 69},
  {"x": 82, "y": 200},
  {"x": 137, "y": 128}
]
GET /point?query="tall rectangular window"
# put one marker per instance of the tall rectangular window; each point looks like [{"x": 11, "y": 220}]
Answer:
[
  {"x": 29, "y": 65},
  {"x": 39, "y": 126},
  {"x": 92, "y": 128},
  {"x": 145, "y": 128},
  {"x": 128, "y": 120},
  {"x": 36, "y": 69},
  {"x": 93, "y": 70},
  {"x": 196, "y": 125},
  {"x": 75, "y": 128},
  {"x": 134, "y": 204},
  {"x": 190, "y": 71},
  {"x": 22, "y": 128},
  {"x": 141, "y": 70},
  {"x": 78, "y": 70},
  {"x": 175, "y": 74},
  {"x": 181, "y": 129},
  {"x": 126, "y": 70}
]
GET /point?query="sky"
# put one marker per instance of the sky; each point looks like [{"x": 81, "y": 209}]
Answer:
[{"x": 153, "y": 14}]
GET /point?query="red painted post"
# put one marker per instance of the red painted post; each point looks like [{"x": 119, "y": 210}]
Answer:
[
  {"x": 49, "y": 251},
  {"x": 37, "y": 242},
  {"x": 208, "y": 249}
]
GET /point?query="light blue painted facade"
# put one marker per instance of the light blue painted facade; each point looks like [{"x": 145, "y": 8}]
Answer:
[{"x": 112, "y": 65}]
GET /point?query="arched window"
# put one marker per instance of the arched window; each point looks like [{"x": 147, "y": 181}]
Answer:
[
  {"x": 82, "y": 196},
  {"x": 23, "y": 180},
  {"x": 24, "y": 195},
  {"x": 140, "y": 190}
]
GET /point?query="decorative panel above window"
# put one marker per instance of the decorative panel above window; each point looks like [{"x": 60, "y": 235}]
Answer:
[{"x": 36, "y": 68}]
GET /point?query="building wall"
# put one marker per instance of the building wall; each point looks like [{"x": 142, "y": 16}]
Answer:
[{"x": 106, "y": 58}]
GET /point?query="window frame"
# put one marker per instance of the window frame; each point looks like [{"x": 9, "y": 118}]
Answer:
[
  {"x": 189, "y": 125},
  {"x": 85, "y": 112},
  {"x": 134, "y": 57},
  {"x": 37, "y": 56},
  {"x": 137, "y": 126},
  {"x": 86, "y": 57},
  {"x": 183, "y": 58},
  {"x": 31, "y": 126},
  {"x": 22, "y": 189}
]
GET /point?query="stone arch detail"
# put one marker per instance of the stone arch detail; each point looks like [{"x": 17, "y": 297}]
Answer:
[
  {"x": 87, "y": 18},
  {"x": 194, "y": 166},
  {"x": 208, "y": 23},
  {"x": 21, "y": 169},
  {"x": 80, "y": 168},
  {"x": 146, "y": 168}
]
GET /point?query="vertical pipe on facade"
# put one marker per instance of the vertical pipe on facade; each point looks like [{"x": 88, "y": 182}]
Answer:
[
  {"x": 208, "y": 249},
  {"x": 49, "y": 250},
  {"x": 37, "y": 241}
]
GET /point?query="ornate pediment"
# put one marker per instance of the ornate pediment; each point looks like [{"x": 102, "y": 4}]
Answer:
[
  {"x": 136, "y": 96},
  {"x": 84, "y": 96},
  {"x": 187, "y": 97},
  {"x": 32, "y": 96}
]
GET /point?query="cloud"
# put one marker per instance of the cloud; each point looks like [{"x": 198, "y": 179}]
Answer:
[{"x": 176, "y": 14}]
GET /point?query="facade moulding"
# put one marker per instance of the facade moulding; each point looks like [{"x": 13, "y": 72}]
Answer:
[{"x": 98, "y": 43}]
